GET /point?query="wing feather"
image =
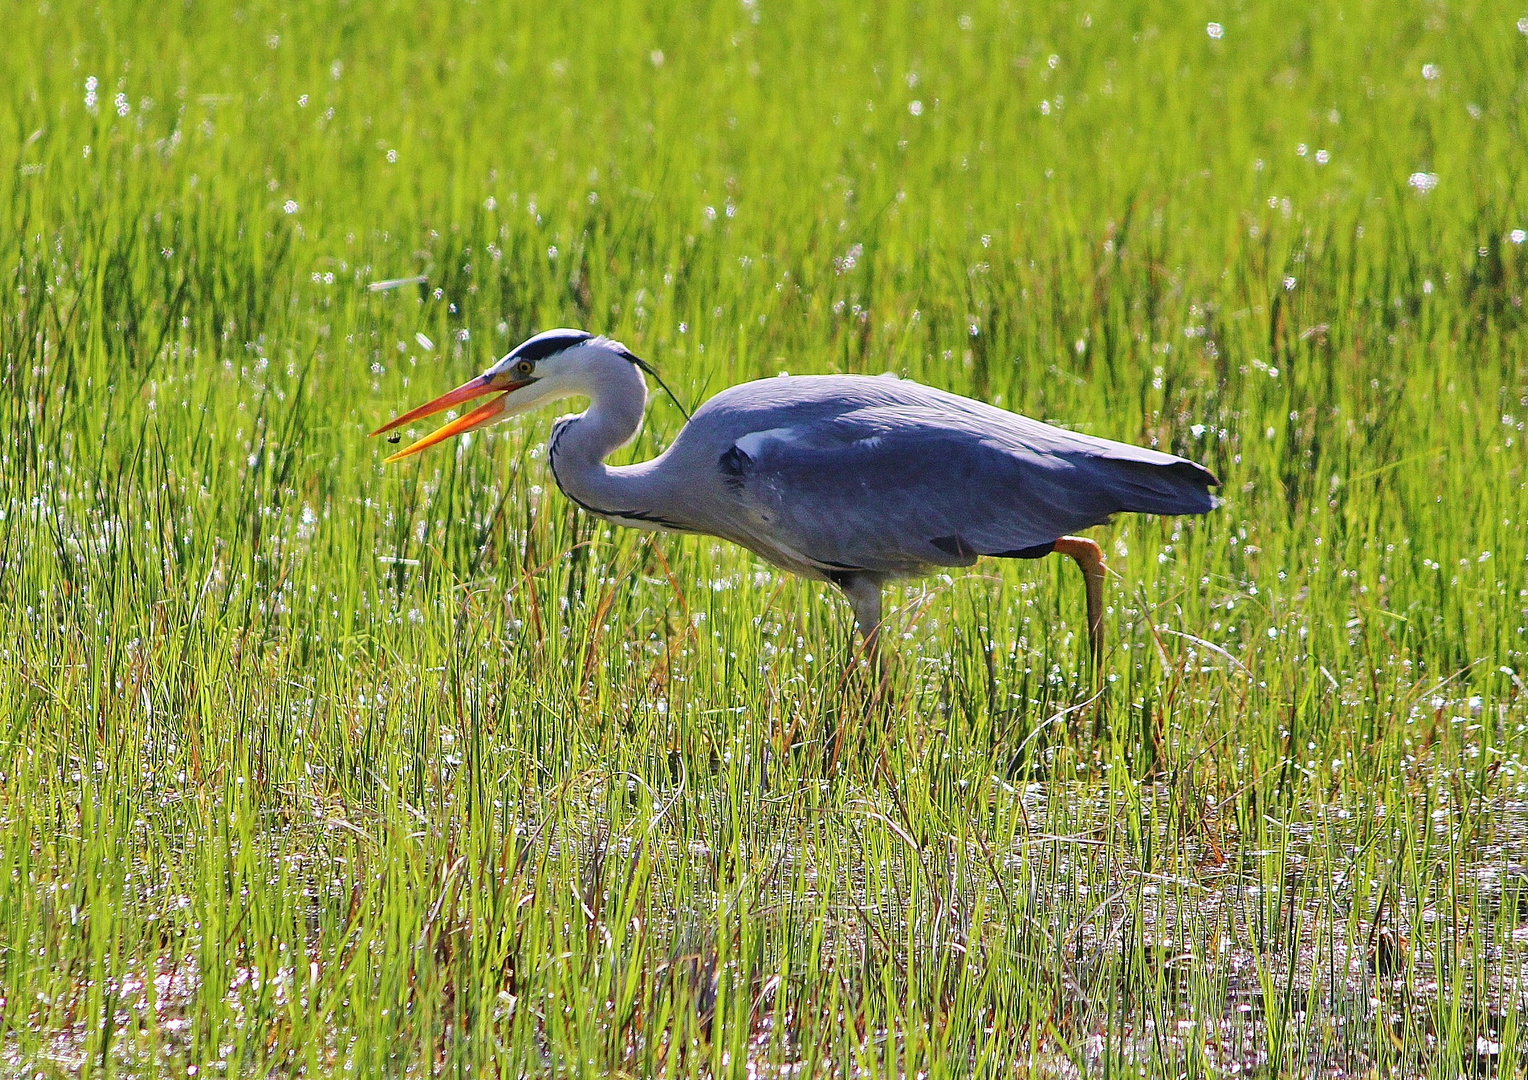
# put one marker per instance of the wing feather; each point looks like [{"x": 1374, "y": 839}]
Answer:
[{"x": 901, "y": 487}]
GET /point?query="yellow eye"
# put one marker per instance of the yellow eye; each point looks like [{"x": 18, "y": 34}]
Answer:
[{"x": 525, "y": 367}]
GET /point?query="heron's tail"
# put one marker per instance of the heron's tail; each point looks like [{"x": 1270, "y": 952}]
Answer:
[{"x": 1174, "y": 487}]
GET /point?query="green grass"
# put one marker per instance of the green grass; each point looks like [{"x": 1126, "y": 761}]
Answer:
[{"x": 309, "y": 765}]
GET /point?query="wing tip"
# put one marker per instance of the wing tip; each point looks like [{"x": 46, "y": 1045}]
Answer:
[{"x": 1195, "y": 473}]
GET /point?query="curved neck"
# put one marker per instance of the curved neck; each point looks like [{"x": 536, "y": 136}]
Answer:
[{"x": 579, "y": 444}]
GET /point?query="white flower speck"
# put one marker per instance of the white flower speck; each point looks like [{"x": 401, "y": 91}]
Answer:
[
  {"x": 290, "y": 206},
  {"x": 849, "y": 259},
  {"x": 1215, "y": 30},
  {"x": 1430, "y": 72},
  {"x": 915, "y": 107},
  {"x": 1423, "y": 181}
]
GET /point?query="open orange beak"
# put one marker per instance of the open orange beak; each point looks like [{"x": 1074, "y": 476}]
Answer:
[{"x": 486, "y": 413}]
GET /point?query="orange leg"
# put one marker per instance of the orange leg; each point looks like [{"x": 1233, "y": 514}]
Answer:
[{"x": 1090, "y": 559}]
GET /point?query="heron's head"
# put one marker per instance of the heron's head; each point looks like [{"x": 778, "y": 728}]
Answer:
[{"x": 553, "y": 364}]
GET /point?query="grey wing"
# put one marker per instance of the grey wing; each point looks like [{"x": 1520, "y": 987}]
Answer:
[{"x": 894, "y": 491}]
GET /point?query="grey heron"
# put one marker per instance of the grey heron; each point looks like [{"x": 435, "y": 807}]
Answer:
[{"x": 852, "y": 479}]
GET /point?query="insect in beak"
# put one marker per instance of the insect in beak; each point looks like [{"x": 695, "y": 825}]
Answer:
[{"x": 484, "y": 414}]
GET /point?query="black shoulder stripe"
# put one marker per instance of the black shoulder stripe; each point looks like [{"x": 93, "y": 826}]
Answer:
[{"x": 734, "y": 463}]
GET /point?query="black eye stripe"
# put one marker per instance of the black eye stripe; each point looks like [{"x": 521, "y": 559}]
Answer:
[{"x": 539, "y": 348}]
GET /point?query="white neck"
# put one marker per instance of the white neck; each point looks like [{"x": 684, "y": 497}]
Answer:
[{"x": 579, "y": 444}]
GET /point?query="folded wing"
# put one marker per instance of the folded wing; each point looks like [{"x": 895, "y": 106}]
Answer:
[{"x": 894, "y": 488}]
